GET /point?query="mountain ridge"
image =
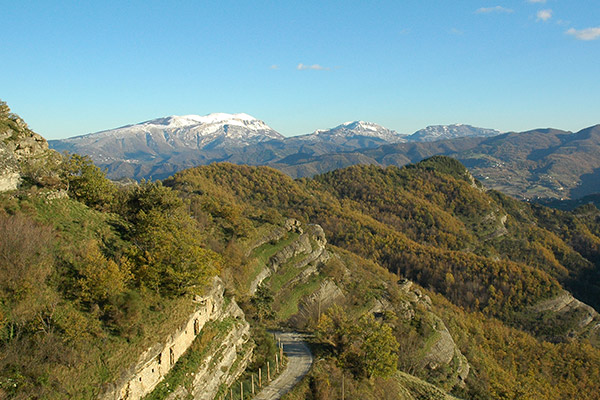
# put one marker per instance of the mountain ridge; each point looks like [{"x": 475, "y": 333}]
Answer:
[
  {"x": 159, "y": 147},
  {"x": 441, "y": 132}
]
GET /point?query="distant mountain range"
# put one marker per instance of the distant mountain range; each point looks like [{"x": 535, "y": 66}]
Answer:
[
  {"x": 442, "y": 132},
  {"x": 544, "y": 163},
  {"x": 159, "y": 147}
]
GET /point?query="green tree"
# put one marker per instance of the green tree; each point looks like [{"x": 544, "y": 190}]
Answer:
[
  {"x": 367, "y": 346},
  {"x": 99, "y": 278},
  {"x": 263, "y": 303},
  {"x": 335, "y": 328},
  {"x": 168, "y": 245},
  {"x": 87, "y": 183},
  {"x": 379, "y": 347}
]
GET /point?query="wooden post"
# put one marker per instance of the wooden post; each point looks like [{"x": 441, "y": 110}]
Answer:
[
  {"x": 231, "y": 393},
  {"x": 276, "y": 363},
  {"x": 281, "y": 355},
  {"x": 268, "y": 371},
  {"x": 253, "y": 385},
  {"x": 241, "y": 390},
  {"x": 260, "y": 377}
]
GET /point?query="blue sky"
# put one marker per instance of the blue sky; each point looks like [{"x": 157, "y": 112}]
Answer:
[{"x": 74, "y": 67}]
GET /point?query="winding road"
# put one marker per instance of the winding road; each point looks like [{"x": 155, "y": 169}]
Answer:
[{"x": 299, "y": 360}]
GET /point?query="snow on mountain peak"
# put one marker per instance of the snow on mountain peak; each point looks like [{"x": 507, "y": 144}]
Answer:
[
  {"x": 176, "y": 121},
  {"x": 354, "y": 129},
  {"x": 186, "y": 132},
  {"x": 440, "y": 132},
  {"x": 371, "y": 126}
]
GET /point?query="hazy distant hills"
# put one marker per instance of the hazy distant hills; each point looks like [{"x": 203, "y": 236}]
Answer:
[
  {"x": 442, "y": 132},
  {"x": 539, "y": 163}
]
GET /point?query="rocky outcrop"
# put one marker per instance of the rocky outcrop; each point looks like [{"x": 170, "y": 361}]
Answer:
[
  {"x": 26, "y": 144},
  {"x": 310, "y": 245},
  {"x": 440, "y": 349},
  {"x": 9, "y": 169},
  {"x": 311, "y": 306},
  {"x": 154, "y": 363},
  {"x": 226, "y": 361},
  {"x": 578, "y": 318},
  {"x": 290, "y": 225},
  {"x": 22, "y": 152}
]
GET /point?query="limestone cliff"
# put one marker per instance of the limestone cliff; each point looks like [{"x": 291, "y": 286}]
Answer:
[{"x": 230, "y": 356}]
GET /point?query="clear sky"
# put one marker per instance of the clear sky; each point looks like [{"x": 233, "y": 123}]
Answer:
[{"x": 74, "y": 67}]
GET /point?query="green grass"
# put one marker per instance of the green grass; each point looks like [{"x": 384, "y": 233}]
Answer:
[
  {"x": 429, "y": 342},
  {"x": 262, "y": 254},
  {"x": 285, "y": 274},
  {"x": 77, "y": 223},
  {"x": 289, "y": 307},
  {"x": 419, "y": 389}
]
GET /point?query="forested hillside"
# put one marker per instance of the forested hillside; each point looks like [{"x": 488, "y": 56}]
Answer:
[{"x": 492, "y": 257}]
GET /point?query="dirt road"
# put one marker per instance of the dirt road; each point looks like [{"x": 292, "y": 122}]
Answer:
[{"x": 299, "y": 360}]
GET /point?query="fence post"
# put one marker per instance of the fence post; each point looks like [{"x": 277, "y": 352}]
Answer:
[
  {"x": 252, "y": 384},
  {"x": 241, "y": 390},
  {"x": 268, "y": 371},
  {"x": 260, "y": 377}
]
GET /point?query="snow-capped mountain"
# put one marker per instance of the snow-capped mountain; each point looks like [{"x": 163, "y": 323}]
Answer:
[
  {"x": 441, "y": 132},
  {"x": 159, "y": 147},
  {"x": 168, "y": 135},
  {"x": 354, "y": 129}
]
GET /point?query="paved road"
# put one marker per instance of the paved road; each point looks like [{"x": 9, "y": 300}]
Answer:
[{"x": 299, "y": 360}]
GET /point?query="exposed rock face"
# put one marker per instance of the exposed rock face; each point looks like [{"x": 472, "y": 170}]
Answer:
[
  {"x": 442, "y": 350},
  {"x": 21, "y": 149},
  {"x": 9, "y": 169},
  {"x": 154, "y": 363},
  {"x": 223, "y": 365},
  {"x": 290, "y": 225},
  {"x": 585, "y": 321},
  {"x": 311, "y": 243},
  {"x": 314, "y": 304}
]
